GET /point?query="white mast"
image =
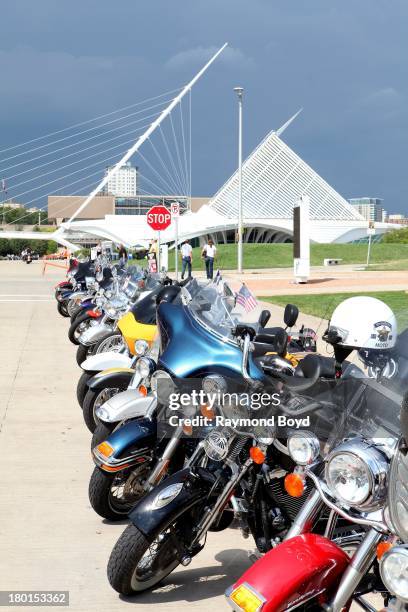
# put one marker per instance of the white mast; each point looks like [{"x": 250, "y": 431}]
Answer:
[{"x": 145, "y": 136}]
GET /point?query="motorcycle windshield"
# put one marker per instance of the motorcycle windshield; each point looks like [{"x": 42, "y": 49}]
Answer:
[
  {"x": 214, "y": 306},
  {"x": 356, "y": 406}
]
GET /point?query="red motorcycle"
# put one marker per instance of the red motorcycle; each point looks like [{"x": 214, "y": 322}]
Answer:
[{"x": 364, "y": 483}]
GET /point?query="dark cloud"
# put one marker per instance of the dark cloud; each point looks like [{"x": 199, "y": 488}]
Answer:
[{"x": 343, "y": 61}]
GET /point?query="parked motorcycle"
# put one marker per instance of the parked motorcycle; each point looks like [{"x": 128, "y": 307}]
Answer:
[{"x": 362, "y": 470}]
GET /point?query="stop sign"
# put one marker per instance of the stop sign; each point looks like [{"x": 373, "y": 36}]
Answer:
[{"x": 159, "y": 218}]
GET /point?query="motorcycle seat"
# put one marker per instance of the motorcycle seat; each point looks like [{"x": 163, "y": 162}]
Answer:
[{"x": 306, "y": 367}]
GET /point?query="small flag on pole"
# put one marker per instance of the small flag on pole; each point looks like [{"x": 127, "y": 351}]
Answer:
[
  {"x": 218, "y": 278},
  {"x": 246, "y": 299}
]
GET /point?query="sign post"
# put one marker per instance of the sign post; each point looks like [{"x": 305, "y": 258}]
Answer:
[
  {"x": 301, "y": 240},
  {"x": 159, "y": 219},
  {"x": 175, "y": 213},
  {"x": 370, "y": 232}
]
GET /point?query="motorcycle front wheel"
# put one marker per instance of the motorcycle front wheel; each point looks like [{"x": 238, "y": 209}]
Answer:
[
  {"x": 83, "y": 353},
  {"x": 78, "y": 326},
  {"x": 62, "y": 309},
  {"x": 111, "y": 342},
  {"x": 94, "y": 399},
  {"x": 112, "y": 496},
  {"x": 136, "y": 564}
]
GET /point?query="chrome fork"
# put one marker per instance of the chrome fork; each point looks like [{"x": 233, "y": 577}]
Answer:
[{"x": 359, "y": 565}]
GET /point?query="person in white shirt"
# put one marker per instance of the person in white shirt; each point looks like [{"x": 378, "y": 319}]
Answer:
[
  {"x": 208, "y": 253},
  {"x": 186, "y": 258}
]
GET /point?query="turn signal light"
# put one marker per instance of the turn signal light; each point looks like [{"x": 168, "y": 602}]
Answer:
[
  {"x": 382, "y": 548},
  {"x": 207, "y": 412},
  {"x": 142, "y": 390},
  {"x": 94, "y": 314},
  {"x": 257, "y": 455},
  {"x": 245, "y": 599},
  {"x": 105, "y": 449},
  {"x": 294, "y": 485},
  {"x": 188, "y": 430}
]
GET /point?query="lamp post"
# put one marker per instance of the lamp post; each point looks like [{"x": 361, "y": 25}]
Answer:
[{"x": 239, "y": 91}]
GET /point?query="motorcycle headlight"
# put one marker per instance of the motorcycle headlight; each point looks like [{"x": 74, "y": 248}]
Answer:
[
  {"x": 394, "y": 571},
  {"x": 214, "y": 384},
  {"x": 356, "y": 473},
  {"x": 303, "y": 447},
  {"x": 141, "y": 347},
  {"x": 144, "y": 367}
]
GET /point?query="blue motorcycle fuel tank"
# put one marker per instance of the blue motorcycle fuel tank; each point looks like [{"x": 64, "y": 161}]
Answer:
[{"x": 190, "y": 349}]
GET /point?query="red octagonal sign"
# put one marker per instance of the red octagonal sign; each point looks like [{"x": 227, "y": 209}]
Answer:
[{"x": 159, "y": 218}]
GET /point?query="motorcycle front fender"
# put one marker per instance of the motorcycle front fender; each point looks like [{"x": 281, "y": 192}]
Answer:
[
  {"x": 111, "y": 378},
  {"x": 302, "y": 568},
  {"x": 131, "y": 444},
  {"x": 105, "y": 361},
  {"x": 95, "y": 333},
  {"x": 151, "y": 518},
  {"x": 129, "y": 404}
]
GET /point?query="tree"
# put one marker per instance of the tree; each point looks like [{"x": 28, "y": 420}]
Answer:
[{"x": 399, "y": 236}]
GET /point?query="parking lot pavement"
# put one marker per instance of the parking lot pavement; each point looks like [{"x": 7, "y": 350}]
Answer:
[{"x": 50, "y": 538}]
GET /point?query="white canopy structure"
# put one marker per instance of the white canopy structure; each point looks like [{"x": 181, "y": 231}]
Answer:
[{"x": 274, "y": 178}]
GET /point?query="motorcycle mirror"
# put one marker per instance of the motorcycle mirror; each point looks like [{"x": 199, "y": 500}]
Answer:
[
  {"x": 281, "y": 342},
  {"x": 290, "y": 316},
  {"x": 264, "y": 318}
]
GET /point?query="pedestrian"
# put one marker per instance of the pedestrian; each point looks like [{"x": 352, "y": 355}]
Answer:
[
  {"x": 152, "y": 256},
  {"x": 123, "y": 254},
  {"x": 186, "y": 258},
  {"x": 99, "y": 249},
  {"x": 208, "y": 253}
]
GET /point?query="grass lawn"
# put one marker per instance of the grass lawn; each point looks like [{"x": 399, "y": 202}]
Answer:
[
  {"x": 321, "y": 305},
  {"x": 281, "y": 255}
]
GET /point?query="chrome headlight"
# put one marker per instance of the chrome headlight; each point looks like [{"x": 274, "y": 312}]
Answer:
[
  {"x": 141, "y": 347},
  {"x": 214, "y": 384},
  {"x": 144, "y": 367},
  {"x": 303, "y": 447},
  {"x": 356, "y": 473},
  {"x": 394, "y": 571}
]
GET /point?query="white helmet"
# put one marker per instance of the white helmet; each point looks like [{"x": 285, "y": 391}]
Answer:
[{"x": 363, "y": 322}]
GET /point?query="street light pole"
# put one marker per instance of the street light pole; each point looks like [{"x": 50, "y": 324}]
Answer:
[{"x": 240, "y": 91}]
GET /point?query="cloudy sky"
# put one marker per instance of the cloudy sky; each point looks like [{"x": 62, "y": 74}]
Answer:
[{"x": 344, "y": 61}]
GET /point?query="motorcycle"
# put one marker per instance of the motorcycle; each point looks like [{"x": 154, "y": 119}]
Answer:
[
  {"x": 137, "y": 333},
  {"x": 362, "y": 469}
]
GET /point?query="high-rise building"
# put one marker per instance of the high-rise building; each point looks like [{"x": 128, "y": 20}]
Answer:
[
  {"x": 124, "y": 183},
  {"x": 370, "y": 208}
]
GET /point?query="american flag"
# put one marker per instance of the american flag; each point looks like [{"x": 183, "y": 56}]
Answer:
[{"x": 246, "y": 299}]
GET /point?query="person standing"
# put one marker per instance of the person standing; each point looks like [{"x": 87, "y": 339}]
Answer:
[
  {"x": 186, "y": 258},
  {"x": 209, "y": 253},
  {"x": 122, "y": 254},
  {"x": 152, "y": 256}
]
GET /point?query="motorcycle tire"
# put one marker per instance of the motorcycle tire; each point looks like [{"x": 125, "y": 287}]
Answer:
[
  {"x": 102, "y": 498},
  {"x": 98, "y": 347},
  {"x": 101, "y": 432},
  {"x": 73, "y": 330},
  {"x": 83, "y": 353},
  {"x": 125, "y": 557},
  {"x": 97, "y": 397},
  {"x": 82, "y": 386},
  {"x": 62, "y": 309}
]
